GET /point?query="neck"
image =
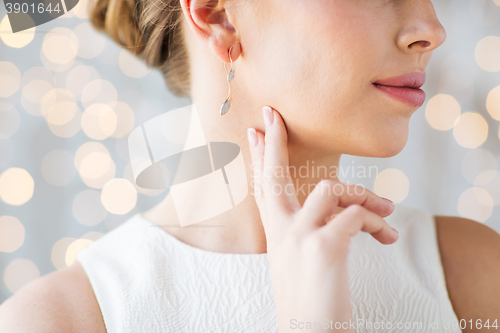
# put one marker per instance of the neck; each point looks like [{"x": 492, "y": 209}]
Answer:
[{"x": 240, "y": 229}]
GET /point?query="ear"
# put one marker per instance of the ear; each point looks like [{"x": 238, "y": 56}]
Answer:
[{"x": 209, "y": 21}]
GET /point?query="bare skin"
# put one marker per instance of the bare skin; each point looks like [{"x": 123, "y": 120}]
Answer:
[{"x": 344, "y": 47}]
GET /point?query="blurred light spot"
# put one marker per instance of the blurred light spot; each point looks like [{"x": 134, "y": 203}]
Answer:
[
  {"x": 60, "y": 46},
  {"x": 58, "y": 168},
  {"x": 10, "y": 78},
  {"x": 6, "y": 153},
  {"x": 99, "y": 91},
  {"x": 62, "y": 112},
  {"x": 32, "y": 95},
  {"x": 38, "y": 73},
  {"x": 119, "y": 196},
  {"x": 16, "y": 186},
  {"x": 125, "y": 120},
  {"x": 81, "y": 9},
  {"x": 78, "y": 77},
  {"x": 54, "y": 96},
  {"x": 65, "y": 121},
  {"x": 483, "y": 196},
  {"x": 490, "y": 181},
  {"x": 131, "y": 65},
  {"x": 11, "y": 234},
  {"x": 88, "y": 209},
  {"x": 493, "y": 103},
  {"x": 68, "y": 129},
  {"x": 90, "y": 42},
  {"x": 57, "y": 68},
  {"x": 86, "y": 149},
  {"x": 497, "y": 2},
  {"x": 95, "y": 165},
  {"x": 99, "y": 121},
  {"x": 488, "y": 54},
  {"x": 20, "y": 272},
  {"x": 442, "y": 111},
  {"x": 471, "y": 130},
  {"x": 485, "y": 177},
  {"x": 58, "y": 255},
  {"x": 127, "y": 174},
  {"x": 475, "y": 162},
  {"x": 15, "y": 40},
  {"x": 392, "y": 184},
  {"x": 475, "y": 204},
  {"x": 92, "y": 235},
  {"x": 74, "y": 248},
  {"x": 9, "y": 120},
  {"x": 82, "y": 153}
]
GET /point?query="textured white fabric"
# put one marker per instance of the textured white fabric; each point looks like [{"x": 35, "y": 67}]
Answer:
[{"x": 146, "y": 280}]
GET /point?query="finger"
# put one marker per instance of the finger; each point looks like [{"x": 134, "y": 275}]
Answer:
[
  {"x": 356, "y": 218},
  {"x": 329, "y": 194},
  {"x": 272, "y": 230},
  {"x": 318, "y": 207},
  {"x": 277, "y": 183}
]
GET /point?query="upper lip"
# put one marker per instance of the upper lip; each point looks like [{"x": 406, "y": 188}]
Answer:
[{"x": 411, "y": 80}]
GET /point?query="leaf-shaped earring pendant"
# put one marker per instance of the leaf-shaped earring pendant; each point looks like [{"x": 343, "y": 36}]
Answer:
[
  {"x": 230, "y": 76},
  {"x": 225, "y": 107}
]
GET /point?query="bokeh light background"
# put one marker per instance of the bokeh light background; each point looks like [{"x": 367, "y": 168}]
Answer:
[{"x": 69, "y": 97}]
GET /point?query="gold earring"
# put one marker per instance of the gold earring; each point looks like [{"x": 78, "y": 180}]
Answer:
[{"x": 230, "y": 76}]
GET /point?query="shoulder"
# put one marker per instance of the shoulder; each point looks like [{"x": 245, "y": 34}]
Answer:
[
  {"x": 470, "y": 254},
  {"x": 62, "y": 301}
]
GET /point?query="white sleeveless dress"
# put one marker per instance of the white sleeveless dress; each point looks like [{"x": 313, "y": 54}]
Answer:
[{"x": 146, "y": 280}]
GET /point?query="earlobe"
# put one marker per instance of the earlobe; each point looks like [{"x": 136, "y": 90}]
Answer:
[
  {"x": 221, "y": 50},
  {"x": 208, "y": 20}
]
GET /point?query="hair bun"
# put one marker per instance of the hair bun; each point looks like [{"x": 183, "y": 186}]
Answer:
[
  {"x": 119, "y": 20},
  {"x": 150, "y": 29}
]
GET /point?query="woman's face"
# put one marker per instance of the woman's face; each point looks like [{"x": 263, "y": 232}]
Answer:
[{"x": 315, "y": 61}]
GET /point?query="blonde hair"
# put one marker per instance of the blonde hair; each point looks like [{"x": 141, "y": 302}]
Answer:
[{"x": 150, "y": 29}]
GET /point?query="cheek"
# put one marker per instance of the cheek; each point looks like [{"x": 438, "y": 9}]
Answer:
[
  {"x": 292, "y": 69},
  {"x": 315, "y": 65}
]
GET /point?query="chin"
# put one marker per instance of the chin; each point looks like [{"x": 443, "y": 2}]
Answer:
[
  {"x": 393, "y": 140},
  {"x": 390, "y": 151},
  {"x": 381, "y": 147},
  {"x": 392, "y": 147}
]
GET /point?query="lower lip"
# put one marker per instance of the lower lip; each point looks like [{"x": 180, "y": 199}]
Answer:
[{"x": 410, "y": 96}]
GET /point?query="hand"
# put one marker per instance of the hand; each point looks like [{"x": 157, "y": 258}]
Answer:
[{"x": 307, "y": 249}]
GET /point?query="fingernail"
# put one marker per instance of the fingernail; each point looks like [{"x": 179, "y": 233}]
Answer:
[
  {"x": 252, "y": 137},
  {"x": 396, "y": 231},
  {"x": 268, "y": 115},
  {"x": 389, "y": 201}
]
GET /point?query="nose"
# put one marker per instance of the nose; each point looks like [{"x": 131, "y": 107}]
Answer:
[{"x": 424, "y": 32}]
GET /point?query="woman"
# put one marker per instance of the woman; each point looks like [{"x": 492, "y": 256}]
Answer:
[{"x": 280, "y": 259}]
